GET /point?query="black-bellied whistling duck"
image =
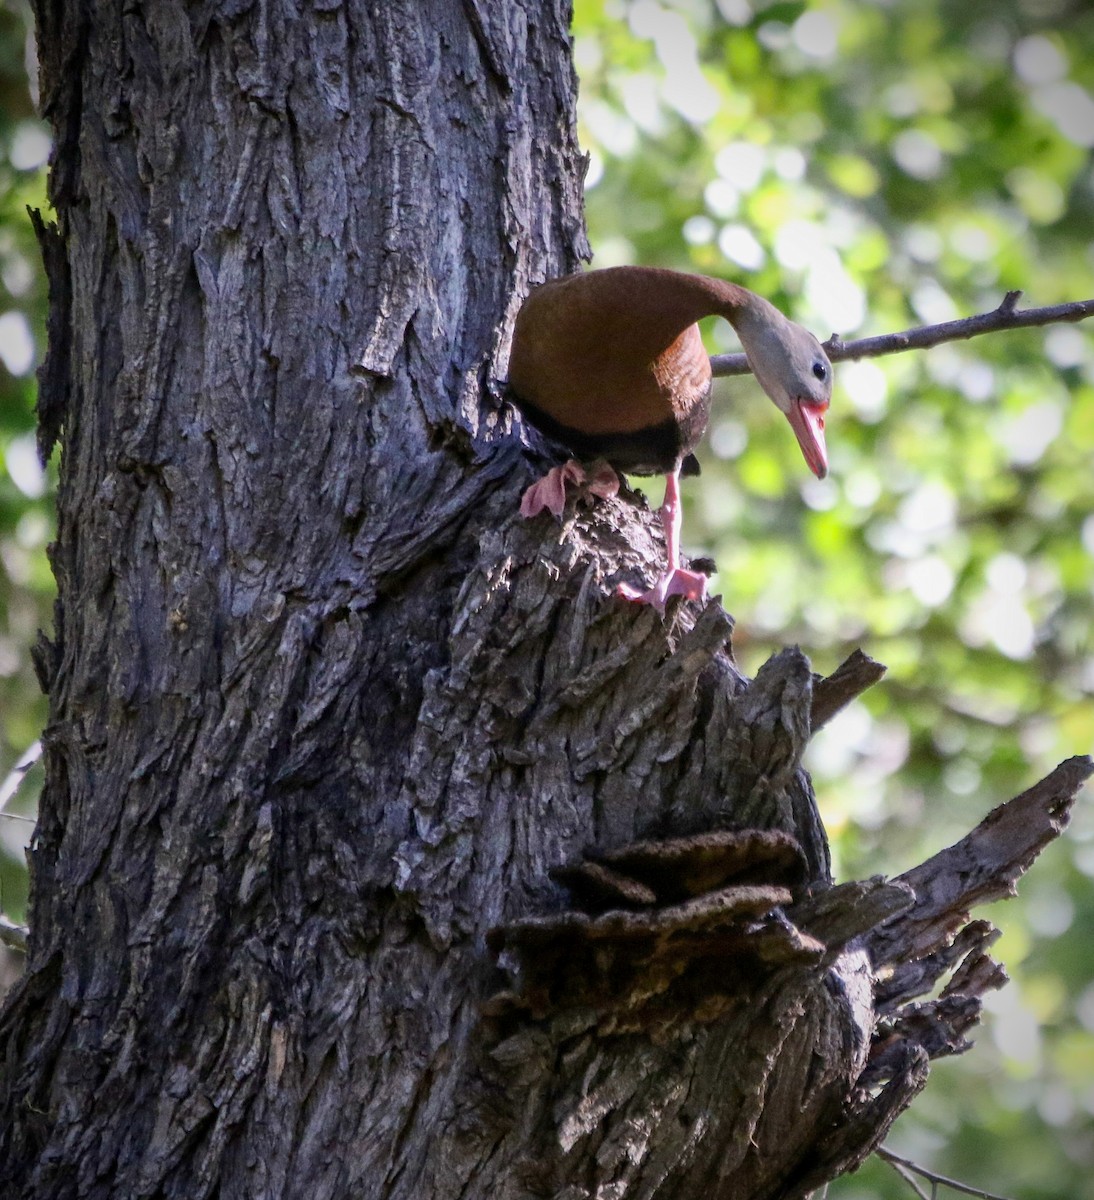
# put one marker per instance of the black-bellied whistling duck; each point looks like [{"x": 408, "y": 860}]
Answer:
[{"x": 611, "y": 364}]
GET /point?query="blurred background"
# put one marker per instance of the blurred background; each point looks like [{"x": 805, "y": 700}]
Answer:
[
  {"x": 867, "y": 167},
  {"x": 870, "y": 167},
  {"x": 26, "y": 501}
]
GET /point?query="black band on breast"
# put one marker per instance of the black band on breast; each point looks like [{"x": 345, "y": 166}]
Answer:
[{"x": 654, "y": 450}]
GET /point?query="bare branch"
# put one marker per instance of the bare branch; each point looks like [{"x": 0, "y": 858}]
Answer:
[
  {"x": 1006, "y": 316},
  {"x": 903, "y": 1165},
  {"x": 982, "y": 867}
]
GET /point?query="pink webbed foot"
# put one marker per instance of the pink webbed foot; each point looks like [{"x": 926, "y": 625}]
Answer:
[
  {"x": 692, "y": 585},
  {"x": 550, "y": 492}
]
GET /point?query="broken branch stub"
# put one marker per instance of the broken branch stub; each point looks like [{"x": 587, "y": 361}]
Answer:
[{"x": 689, "y": 927}]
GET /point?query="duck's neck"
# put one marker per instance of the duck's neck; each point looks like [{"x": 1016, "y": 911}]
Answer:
[{"x": 683, "y": 299}]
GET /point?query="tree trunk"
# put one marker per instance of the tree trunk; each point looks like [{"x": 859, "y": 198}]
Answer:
[{"x": 325, "y": 714}]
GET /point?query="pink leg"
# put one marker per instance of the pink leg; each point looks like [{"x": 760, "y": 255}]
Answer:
[
  {"x": 675, "y": 581},
  {"x": 672, "y": 519}
]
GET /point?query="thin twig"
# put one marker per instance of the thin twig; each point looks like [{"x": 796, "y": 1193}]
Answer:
[
  {"x": 12, "y": 935},
  {"x": 936, "y": 1180},
  {"x": 1006, "y": 316},
  {"x": 907, "y": 1176},
  {"x": 18, "y": 773}
]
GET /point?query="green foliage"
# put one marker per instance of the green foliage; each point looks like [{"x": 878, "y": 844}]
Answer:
[
  {"x": 26, "y": 510},
  {"x": 870, "y": 168},
  {"x": 867, "y": 167}
]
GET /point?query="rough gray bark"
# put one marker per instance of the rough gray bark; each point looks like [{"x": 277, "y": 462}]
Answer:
[{"x": 325, "y": 715}]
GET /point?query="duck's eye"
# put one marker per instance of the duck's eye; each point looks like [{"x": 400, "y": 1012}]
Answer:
[{"x": 820, "y": 370}]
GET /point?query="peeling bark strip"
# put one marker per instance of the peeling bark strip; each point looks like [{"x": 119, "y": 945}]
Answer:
[{"x": 325, "y": 713}]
